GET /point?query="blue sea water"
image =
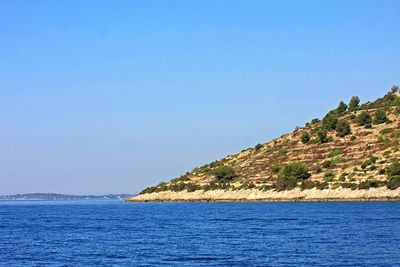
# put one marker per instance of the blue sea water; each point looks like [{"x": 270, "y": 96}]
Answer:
[{"x": 115, "y": 233}]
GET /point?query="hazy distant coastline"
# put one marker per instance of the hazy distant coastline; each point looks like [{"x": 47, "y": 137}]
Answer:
[{"x": 54, "y": 196}]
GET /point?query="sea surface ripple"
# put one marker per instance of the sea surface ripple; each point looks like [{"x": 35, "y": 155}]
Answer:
[{"x": 117, "y": 233}]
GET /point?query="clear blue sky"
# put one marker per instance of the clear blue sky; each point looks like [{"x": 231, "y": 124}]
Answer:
[{"x": 112, "y": 96}]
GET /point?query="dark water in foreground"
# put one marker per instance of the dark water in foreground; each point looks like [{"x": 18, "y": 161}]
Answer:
[{"x": 114, "y": 233}]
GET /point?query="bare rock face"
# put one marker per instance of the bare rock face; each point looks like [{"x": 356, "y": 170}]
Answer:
[{"x": 351, "y": 154}]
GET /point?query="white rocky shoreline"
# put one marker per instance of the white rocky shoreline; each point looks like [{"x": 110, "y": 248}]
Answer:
[{"x": 255, "y": 195}]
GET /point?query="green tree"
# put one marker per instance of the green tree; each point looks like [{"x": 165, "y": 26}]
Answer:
[
  {"x": 341, "y": 109},
  {"x": 305, "y": 138},
  {"x": 316, "y": 120},
  {"x": 275, "y": 168},
  {"x": 393, "y": 169},
  {"x": 322, "y": 136},
  {"x": 343, "y": 128},
  {"x": 394, "y": 89},
  {"x": 393, "y": 173},
  {"x": 285, "y": 183},
  {"x": 258, "y": 147},
  {"x": 296, "y": 169},
  {"x": 380, "y": 117},
  {"x": 291, "y": 174},
  {"x": 330, "y": 120},
  {"x": 224, "y": 173},
  {"x": 363, "y": 119},
  {"x": 354, "y": 103}
]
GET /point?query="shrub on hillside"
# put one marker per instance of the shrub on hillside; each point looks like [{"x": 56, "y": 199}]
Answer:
[
  {"x": 393, "y": 169},
  {"x": 386, "y": 131},
  {"x": 322, "y": 136},
  {"x": 177, "y": 187},
  {"x": 363, "y": 119},
  {"x": 214, "y": 185},
  {"x": 148, "y": 190},
  {"x": 192, "y": 187},
  {"x": 305, "y": 137},
  {"x": 331, "y": 163},
  {"x": 343, "y": 128},
  {"x": 314, "y": 121},
  {"x": 329, "y": 177},
  {"x": 335, "y": 152},
  {"x": 323, "y": 185},
  {"x": 393, "y": 183},
  {"x": 352, "y": 186},
  {"x": 258, "y": 147},
  {"x": 380, "y": 117},
  {"x": 224, "y": 173},
  {"x": 369, "y": 184},
  {"x": 291, "y": 174},
  {"x": 342, "y": 177},
  {"x": 181, "y": 178},
  {"x": 393, "y": 173},
  {"x": 266, "y": 187},
  {"x": 372, "y": 160},
  {"x": 318, "y": 169},
  {"x": 327, "y": 164},
  {"x": 275, "y": 168},
  {"x": 297, "y": 170},
  {"x": 396, "y": 134},
  {"x": 329, "y": 121},
  {"x": 281, "y": 152},
  {"x": 247, "y": 185},
  {"x": 308, "y": 184},
  {"x": 311, "y": 184}
]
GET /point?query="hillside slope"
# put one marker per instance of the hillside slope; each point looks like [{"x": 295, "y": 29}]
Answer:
[{"x": 352, "y": 153}]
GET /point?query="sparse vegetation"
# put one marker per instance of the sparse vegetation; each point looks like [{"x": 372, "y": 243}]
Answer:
[
  {"x": 281, "y": 152},
  {"x": 386, "y": 131},
  {"x": 370, "y": 184},
  {"x": 352, "y": 186},
  {"x": 335, "y": 152},
  {"x": 359, "y": 161}
]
